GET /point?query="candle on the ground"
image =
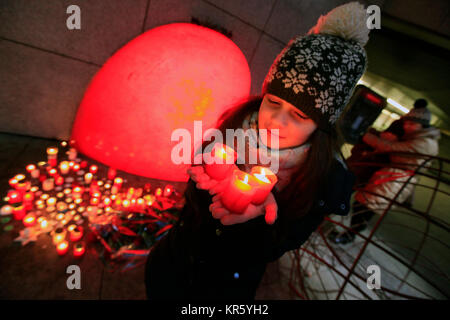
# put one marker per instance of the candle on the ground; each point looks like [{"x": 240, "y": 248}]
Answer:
[
  {"x": 34, "y": 171},
  {"x": 76, "y": 233},
  {"x": 29, "y": 220},
  {"x": 117, "y": 185},
  {"x": 78, "y": 250},
  {"x": 93, "y": 169},
  {"x": 52, "y": 156},
  {"x": 48, "y": 184},
  {"x": 14, "y": 196},
  {"x": 62, "y": 247},
  {"x": 64, "y": 167},
  {"x": 220, "y": 162},
  {"x": 111, "y": 173},
  {"x": 88, "y": 177},
  {"x": 59, "y": 235},
  {"x": 72, "y": 154},
  {"x": 238, "y": 195}
]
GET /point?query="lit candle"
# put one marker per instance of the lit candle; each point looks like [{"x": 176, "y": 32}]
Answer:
[
  {"x": 14, "y": 196},
  {"x": 43, "y": 223},
  {"x": 13, "y": 182},
  {"x": 93, "y": 169},
  {"x": 61, "y": 206},
  {"x": 168, "y": 191},
  {"x": 126, "y": 203},
  {"x": 149, "y": 199},
  {"x": 48, "y": 184},
  {"x": 158, "y": 192},
  {"x": 264, "y": 182},
  {"x": 76, "y": 167},
  {"x": 59, "y": 235},
  {"x": 220, "y": 162},
  {"x": 111, "y": 173},
  {"x": 78, "y": 250},
  {"x": 94, "y": 201},
  {"x": 62, "y": 247},
  {"x": 19, "y": 212},
  {"x": 64, "y": 167},
  {"x": 72, "y": 154},
  {"x": 33, "y": 170},
  {"x": 6, "y": 210},
  {"x": 117, "y": 185},
  {"x": 29, "y": 220},
  {"x": 88, "y": 177},
  {"x": 77, "y": 192},
  {"x": 52, "y": 156},
  {"x": 28, "y": 200},
  {"x": 239, "y": 193},
  {"x": 51, "y": 201},
  {"x": 107, "y": 202},
  {"x": 76, "y": 233}
]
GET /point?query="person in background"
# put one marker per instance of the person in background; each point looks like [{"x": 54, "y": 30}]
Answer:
[{"x": 418, "y": 137}]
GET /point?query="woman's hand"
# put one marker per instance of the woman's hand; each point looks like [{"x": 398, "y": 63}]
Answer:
[
  {"x": 269, "y": 208},
  {"x": 201, "y": 178}
]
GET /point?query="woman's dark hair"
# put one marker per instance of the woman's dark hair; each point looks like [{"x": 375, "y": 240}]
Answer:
[{"x": 297, "y": 198}]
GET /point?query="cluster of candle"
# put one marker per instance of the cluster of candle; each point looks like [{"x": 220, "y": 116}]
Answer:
[
  {"x": 244, "y": 188},
  {"x": 56, "y": 197}
]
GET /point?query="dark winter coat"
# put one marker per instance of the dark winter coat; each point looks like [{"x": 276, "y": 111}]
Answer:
[{"x": 202, "y": 259}]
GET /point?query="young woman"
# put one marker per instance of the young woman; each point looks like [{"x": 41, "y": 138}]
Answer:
[{"x": 215, "y": 254}]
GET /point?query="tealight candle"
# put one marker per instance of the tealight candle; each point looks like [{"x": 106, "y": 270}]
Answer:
[
  {"x": 88, "y": 177},
  {"x": 111, "y": 173},
  {"x": 29, "y": 220},
  {"x": 14, "y": 196},
  {"x": 59, "y": 235},
  {"x": 126, "y": 203},
  {"x": 76, "y": 233},
  {"x": 51, "y": 201},
  {"x": 13, "y": 182},
  {"x": 40, "y": 204},
  {"x": 107, "y": 202},
  {"x": 149, "y": 198},
  {"x": 117, "y": 185},
  {"x": 78, "y": 250},
  {"x": 76, "y": 167},
  {"x": 77, "y": 192},
  {"x": 19, "y": 212},
  {"x": 62, "y": 247},
  {"x": 94, "y": 201},
  {"x": 78, "y": 201},
  {"x": 28, "y": 200},
  {"x": 239, "y": 193},
  {"x": 265, "y": 180},
  {"x": 52, "y": 156},
  {"x": 34, "y": 171},
  {"x": 61, "y": 206},
  {"x": 59, "y": 180},
  {"x": 64, "y": 167},
  {"x": 93, "y": 169},
  {"x": 6, "y": 210},
  {"x": 220, "y": 162},
  {"x": 34, "y": 188}
]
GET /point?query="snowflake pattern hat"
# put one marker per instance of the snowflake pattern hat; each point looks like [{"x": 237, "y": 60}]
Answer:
[{"x": 318, "y": 72}]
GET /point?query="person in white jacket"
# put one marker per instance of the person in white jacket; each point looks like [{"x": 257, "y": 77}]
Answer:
[{"x": 408, "y": 155}]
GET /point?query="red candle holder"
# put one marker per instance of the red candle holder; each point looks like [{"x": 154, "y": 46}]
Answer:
[
  {"x": 112, "y": 173},
  {"x": 76, "y": 233},
  {"x": 79, "y": 249},
  {"x": 220, "y": 162},
  {"x": 14, "y": 196},
  {"x": 264, "y": 180},
  {"x": 239, "y": 193},
  {"x": 62, "y": 247},
  {"x": 19, "y": 212}
]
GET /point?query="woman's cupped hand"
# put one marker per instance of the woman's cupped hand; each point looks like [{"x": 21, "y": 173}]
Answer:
[{"x": 269, "y": 208}]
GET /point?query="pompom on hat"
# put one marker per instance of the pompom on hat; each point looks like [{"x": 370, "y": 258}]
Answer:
[{"x": 318, "y": 72}]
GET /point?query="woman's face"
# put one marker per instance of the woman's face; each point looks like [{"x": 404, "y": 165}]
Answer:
[{"x": 294, "y": 126}]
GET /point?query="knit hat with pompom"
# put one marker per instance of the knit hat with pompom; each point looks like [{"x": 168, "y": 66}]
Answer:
[{"x": 317, "y": 73}]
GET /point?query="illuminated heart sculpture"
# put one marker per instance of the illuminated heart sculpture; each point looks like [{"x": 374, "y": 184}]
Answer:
[{"x": 162, "y": 80}]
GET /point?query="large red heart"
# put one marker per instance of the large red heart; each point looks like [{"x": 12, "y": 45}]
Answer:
[{"x": 162, "y": 80}]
